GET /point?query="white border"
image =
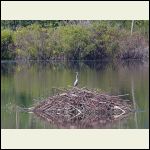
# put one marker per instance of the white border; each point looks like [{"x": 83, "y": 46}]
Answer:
[
  {"x": 75, "y": 10},
  {"x": 59, "y": 138}
]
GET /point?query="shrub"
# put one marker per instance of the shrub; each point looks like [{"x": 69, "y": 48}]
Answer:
[
  {"x": 31, "y": 42},
  {"x": 131, "y": 47},
  {"x": 6, "y": 44},
  {"x": 73, "y": 40},
  {"x": 98, "y": 40}
]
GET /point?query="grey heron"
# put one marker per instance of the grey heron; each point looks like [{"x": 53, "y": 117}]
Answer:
[{"x": 76, "y": 81}]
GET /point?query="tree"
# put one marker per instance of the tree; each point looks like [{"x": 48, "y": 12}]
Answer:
[{"x": 132, "y": 26}]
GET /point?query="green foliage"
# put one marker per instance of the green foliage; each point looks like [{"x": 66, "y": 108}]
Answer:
[
  {"x": 15, "y": 24},
  {"x": 6, "y": 43},
  {"x": 74, "y": 40},
  {"x": 31, "y": 42},
  {"x": 71, "y": 39}
]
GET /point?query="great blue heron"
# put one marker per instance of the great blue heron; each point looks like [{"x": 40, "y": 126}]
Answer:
[{"x": 76, "y": 81}]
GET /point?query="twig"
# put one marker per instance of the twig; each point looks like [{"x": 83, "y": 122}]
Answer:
[
  {"x": 77, "y": 110},
  {"x": 120, "y": 95},
  {"x": 123, "y": 112}
]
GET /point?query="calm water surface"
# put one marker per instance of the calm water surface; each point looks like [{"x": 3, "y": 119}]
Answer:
[{"x": 24, "y": 83}]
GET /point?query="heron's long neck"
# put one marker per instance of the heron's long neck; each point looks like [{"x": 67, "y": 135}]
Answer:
[{"x": 76, "y": 77}]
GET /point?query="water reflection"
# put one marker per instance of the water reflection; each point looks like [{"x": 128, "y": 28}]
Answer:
[
  {"x": 24, "y": 82},
  {"x": 82, "y": 122}
]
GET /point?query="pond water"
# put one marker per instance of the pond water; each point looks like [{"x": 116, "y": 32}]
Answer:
[{"x": 25, "y": 83}]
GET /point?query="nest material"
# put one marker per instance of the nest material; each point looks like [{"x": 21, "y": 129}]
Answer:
[{"x": 78, "y": 106}]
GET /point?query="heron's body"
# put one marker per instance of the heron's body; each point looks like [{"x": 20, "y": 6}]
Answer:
[{"x": 76, "y": 81}]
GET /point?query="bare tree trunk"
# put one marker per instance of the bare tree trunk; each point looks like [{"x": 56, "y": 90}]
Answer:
[
  {"x": 132, "y": 26},
  {"x": 17, "y": 119}
]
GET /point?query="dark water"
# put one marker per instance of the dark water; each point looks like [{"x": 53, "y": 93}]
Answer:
[{"x": 24, "y": 83}]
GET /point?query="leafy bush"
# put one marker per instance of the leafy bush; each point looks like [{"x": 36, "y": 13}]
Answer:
[
  {"x": 131, "y": 47},
  {"x": 6, "y": 44},
  {"x": 74, "y": 40},
  {"x": 31, "y": 42},
  {"x": 98, "y": 40}
]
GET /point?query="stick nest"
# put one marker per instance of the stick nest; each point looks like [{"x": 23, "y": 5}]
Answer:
[{"x": 80, "y": 106}]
